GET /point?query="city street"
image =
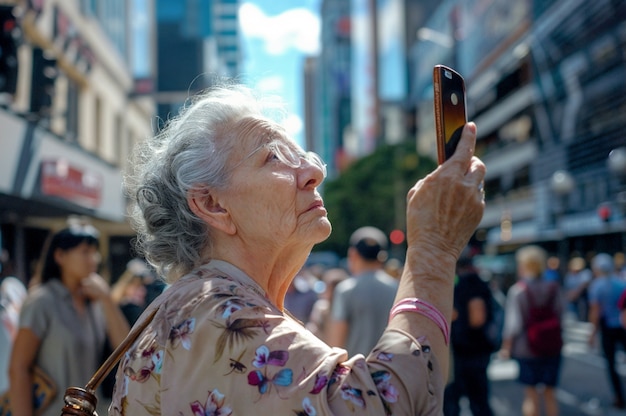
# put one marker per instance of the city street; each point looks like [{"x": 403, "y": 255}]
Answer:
[{"x": 583, "y": 390}]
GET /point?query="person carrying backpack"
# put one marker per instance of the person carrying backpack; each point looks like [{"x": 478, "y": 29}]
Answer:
[{"x": 532, "y": 333}]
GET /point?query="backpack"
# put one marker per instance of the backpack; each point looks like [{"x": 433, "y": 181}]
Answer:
[{"x": 543, "y": 329}]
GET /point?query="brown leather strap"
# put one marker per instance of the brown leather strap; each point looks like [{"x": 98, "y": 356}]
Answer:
[{"x": 115, "y": 356}]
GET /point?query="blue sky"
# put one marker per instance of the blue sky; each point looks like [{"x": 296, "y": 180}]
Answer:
[{"x": 277, "y": 36}]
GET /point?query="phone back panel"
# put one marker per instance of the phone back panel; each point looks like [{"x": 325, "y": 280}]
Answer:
[{"x": 450, "y": 109}]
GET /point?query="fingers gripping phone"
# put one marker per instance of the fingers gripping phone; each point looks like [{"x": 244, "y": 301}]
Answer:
[{"x": 450, "y": 110}]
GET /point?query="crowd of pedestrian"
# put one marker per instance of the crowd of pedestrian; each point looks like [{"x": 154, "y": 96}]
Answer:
[
  {"x": 345, "y": 305},
  {"x": 66, "y": 318}
]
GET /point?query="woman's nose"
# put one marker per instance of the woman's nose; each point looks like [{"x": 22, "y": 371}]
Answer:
[{"x": 312, "y": 174}]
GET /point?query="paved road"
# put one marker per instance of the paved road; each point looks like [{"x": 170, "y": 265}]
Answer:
[{"x": 583, "y": 389}]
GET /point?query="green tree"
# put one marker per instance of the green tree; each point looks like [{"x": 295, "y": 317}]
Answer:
[{"x": 372, "y": 191}]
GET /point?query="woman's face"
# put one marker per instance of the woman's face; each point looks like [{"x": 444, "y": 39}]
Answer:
[
  {"x": 273, "y": 197},
  {"x": 78, "y": 262}
]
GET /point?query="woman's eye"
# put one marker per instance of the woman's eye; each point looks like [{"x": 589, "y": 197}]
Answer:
[{"x": 273, "y": 155}]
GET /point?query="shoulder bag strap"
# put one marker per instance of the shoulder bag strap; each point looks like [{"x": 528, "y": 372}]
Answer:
[
  {"x": 115, "y": 356},
  {"x": 83, "y": 401}
]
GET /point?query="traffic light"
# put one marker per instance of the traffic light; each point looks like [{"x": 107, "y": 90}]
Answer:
[
  {"x": 396, "y": 236},
  {"x": 8, "y": 50},
  {"x": 42, "y": 87},
  {"x": 604, "y": 212}
]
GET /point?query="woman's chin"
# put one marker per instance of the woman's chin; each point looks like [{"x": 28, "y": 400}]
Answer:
[
  {"x": 325, "y": 230},
  {"x": 314, "y": 232}
]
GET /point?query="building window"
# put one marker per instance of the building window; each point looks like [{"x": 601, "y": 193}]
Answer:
[
  {"x": 73, "y": 92},
  {"x": 112, "y": 15},
  {"x": 119, "y": 141},
  {"x": 97, "y": 124},
  {"x": 226, "y": 8}
]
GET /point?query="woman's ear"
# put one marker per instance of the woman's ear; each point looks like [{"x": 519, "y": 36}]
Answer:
[
  {"x": 58, "y": 255},
  {"x": 205, "y": 205}
]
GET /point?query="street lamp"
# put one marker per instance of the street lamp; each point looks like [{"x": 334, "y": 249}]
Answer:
[
  {"x": 617, "y": 161},
  {"x": 562, "y": 184}
]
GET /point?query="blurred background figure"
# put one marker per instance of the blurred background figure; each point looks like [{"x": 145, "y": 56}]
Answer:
[
  {"x": 320, "y": 315},
  {"x": 65, "y": 320},
  {"x": 393, "y": 267},
  {"x": 552, "y": 273},
  {"x": 604, "y": 294},
  {"x": 136, "y": 288},
  {"x": 473, "y": 339},
  {"x": 129, "y": 292},
  {"x": 361, "y": 303},
  {"x": 621, "y": 305},
  {"x": 12, "y": 295},
  {"x": 620, "y": 265},
  {"x": 300, "y": 296},
  {"x": 575, "y": 285},
  {"x": 153, "y": 284},
  {"x": 538, "y": 372}
]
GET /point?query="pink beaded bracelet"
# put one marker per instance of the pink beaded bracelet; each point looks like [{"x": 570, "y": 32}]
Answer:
[{"x": 424, "y": 308}]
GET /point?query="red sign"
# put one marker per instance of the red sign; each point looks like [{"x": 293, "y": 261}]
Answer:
[{"x": 59, "y": 178}]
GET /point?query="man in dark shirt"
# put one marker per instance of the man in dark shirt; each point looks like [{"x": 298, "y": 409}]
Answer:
[{"x": 474, "y": 337}]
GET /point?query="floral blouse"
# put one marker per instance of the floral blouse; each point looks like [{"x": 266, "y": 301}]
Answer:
[{"x": 217, "y": 346}]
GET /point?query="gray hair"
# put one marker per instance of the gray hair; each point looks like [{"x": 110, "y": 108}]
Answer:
[{"x": 192, "y": 150}]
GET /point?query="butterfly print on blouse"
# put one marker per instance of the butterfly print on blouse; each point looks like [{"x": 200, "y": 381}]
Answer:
[
  {"x": 307, "y": 408},
  {"x": 264, "y": 358},
  {"x": 353, "y": 395},
  {"x": 321, "y": 380}
]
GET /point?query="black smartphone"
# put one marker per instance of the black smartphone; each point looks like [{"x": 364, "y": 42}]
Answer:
[{"x": 450, "y": 110}]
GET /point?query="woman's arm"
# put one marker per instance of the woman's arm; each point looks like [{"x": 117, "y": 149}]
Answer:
[
  {"x": 476, "y": 312},
  {"x": 23, "y": 359},
  {"x": 97, "y": 289},
  {"x": 443, "y": 210},
  {"x": 116, "y": 324},
  {"x": 513, "y": 324},
  {"x": 594, "y": 319}
]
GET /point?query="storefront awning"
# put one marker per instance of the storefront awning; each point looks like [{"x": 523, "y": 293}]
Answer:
[{"x": 41, "y": 168}]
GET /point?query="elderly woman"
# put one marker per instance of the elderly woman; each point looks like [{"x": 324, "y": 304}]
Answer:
[{"x": 228, "y": 208}]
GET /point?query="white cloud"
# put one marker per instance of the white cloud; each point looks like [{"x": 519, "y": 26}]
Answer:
[
  {"x": 274, "y": 88},
  {"x": 271, "y": 84},
  {"x": 293, "y": 125},
  {"x": 297, "y": 28}
]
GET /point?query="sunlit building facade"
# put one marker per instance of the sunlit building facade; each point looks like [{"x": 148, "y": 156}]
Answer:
[
  {"x": 70, "y": 115},
  {"x": 547, "y": 89},
  {"x": 329, "y": 92}
]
